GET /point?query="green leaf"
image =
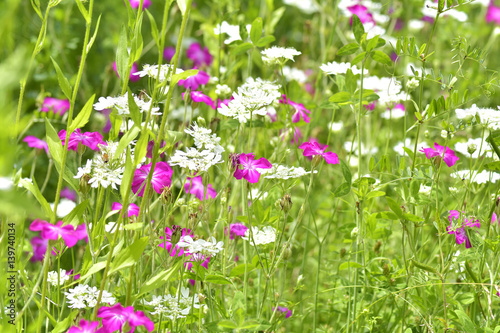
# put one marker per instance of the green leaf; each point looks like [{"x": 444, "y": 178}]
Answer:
[
  {"x": 217, "y": 279},
  {"x": 241, "y": 48},
  {"x": 182, "y": 6},
  {"x": 83, "y": 116},
  {"x": 493, "y": 166},
  {"x": 348, "y": 49},
  {"x": 141, "y": 148},
  {"x": 340, "y": 97},
  {"x": 357, "y": 28},
  {"x": 63, "y": 325},
  {"x": 440, "y": 5},
  {"x": 92, "y": 40},
  {"x": 135, "y": 113},
  {"x": 122, "y": 54},
  {"x": 346, "y": 171},
  {"x": 128, "y": 175},
  {"x": 374, "y": 194},
  {"x": 94, "y": 269},
  {"x": 394, "y": 206},
  {"x": 240, "y": 269},
  {"x": 76, "y": 215},
  {"x": 351, "y": 83},
  {"x": 263, "y": 41},
  {"x": 381, "y": 57},
  {"x": 372, "y": 43},
  {"x": 386, "y": 215},
  {"x": 184, "y": 75},
  {"x": 412, "y": 218},
  {"x": 63, "y": 81},
  {"x": 126, "y": 139},
  {"x": 226, "y": 323},
  {"x": 350, "y": 264},
  {"x": 129, "y": 256},
  {"x": 33, "y": 188},
  {"x": 358, "y": 58},
  {"x": 256, "y": 30},
  {"x": 466, "y": 322},
  {"x": 159, "y": 279},
  {"x": 154, "y": 28},
  {"x": 342, "y": 190},
  {"x": 83, "y": 10}
]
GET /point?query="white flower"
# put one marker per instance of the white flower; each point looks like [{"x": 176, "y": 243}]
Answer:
[
  {"x": 222, "y": 90},
  {"x": 83, "y": 296},
  {"x": 430, "y": 9},
  {"x": 412, "y": 84},
  {"x": 175, "y": 307},
  {"x": 334, "y": 68},
  {"x": 388, "y": 89},
  {"x": 398, "y": 148},
  {"x": 489, "y": 117},
  {"x": 53, "y": 279},
  {"x": 306, "y": 6},
  {"x": 87, "y": 169},
  {"x": 166, "y": 71},
  {"x": 265, "y": 236},
  {"x": 336, "y": 126},
  {"x": 204, "y": 139},
  {"x": 233, "y": 31},
  {"x": 211, "y": 247},
  {"x": 482, "y": 177},
  {"x": 364, "y": 150},
  {"x": 283, "y": 172},
  {"x": 64, "y": 207},
  {"x": 425, "y": 190},
  {"x": 257, "y": 194},
  {"x": 416, "y": 24},
  {"x": 394, "y": 113},
  {"x": 279, "y": 55},
  {"x": 6, "y": 183},
  {"x": 120, "y": 103},
  {"x": 294, "y": 74},
  {"x": 462, "y": 147}
]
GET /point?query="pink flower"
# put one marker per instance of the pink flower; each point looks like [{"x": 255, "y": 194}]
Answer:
[
  {"x": 58, "y": 106},
  {"x": 460, "y": 233},
  {"x": 195, "y": 186},
  {"x": 136, "y": 3},
  {"x": 300, "y": 108},
  {"x": 151, "y": 144},
  {"x": 162, "y": 176},
  {"x": 89, "y": 139},
  {"x": 297, "y": 135},
  {"x": 237, "y": 230},
  {"x": 133, "y": 209},
  {"x": 446, "y": 153},
  {"x": 198, "y": 55},
  {"x": 169, "y": 53},
  {"x": 68, "y": 194},
  {"x": 39, "y": 246},
  {"x": 114, "y": 317},
  {"x": 172, "y": 237},
  {"x": 285, "y": 311},
  {"x": 133, "y": 72},
  {"x": 362, "y": 12},
  {"x": 494, "y": 218},
  {"x": 313, "y": 148},
  {"x": 68, "y": 233},
  {"x": 197, "y": 257},
  {"x": 37, "y": 143},
  {"x": 199, "y": 97},
  {"x": 224, "y": 101},
  {"x": 250, "y": 167},
  {"x": 194, "y": 81},
  {"x": 85, "y": 327},
  {"x": 493, "y": 14}
]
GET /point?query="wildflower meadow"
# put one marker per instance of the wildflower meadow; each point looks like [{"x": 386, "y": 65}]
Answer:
[{"x": 249, "y": 166}]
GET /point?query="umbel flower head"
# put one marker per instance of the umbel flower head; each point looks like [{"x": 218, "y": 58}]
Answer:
[
  {"x": 279, "y": 55},
  {"x": 446, "y": 153}
]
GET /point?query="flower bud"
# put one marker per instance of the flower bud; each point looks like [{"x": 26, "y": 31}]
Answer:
[
  {"x": 287, "y": 253},
  {"x": 286, "y": 203},
  {"x": 316, "y": 160},
  {"x": 201, "y": 121},
  {"x": 81, "y": 149},
  {"x": 166, "y": 195},
  {"x": 354, "y": 232},
  {"x": 84, "y": 184},
  {"x": 234, "y": 161},
  {"x": 342, "y": 252},
  {"x": 176, "y": 234},
  {"x": 376, "y": 247},
  {"x": 386, "y": 270},
  {"x": 471, "y": 149}
]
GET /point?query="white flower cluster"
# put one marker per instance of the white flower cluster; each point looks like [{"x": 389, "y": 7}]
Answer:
[
  {"x": 166, "y": 71},
  {"x": 294, "y": 74},
  {"x": 283, "y": 172},
  {"x": 389, "y": 89},
  {"x": 398, "y": 148},
  {"x": 210, "y": 247},
  {"x": 430, "y": 10},
  {"x": 394, "y": 113},
  {"x": 175, "y": 307},
  {"x": 252, "y": 98},
  {"x": 64, "y": 207},
  {"x": 334, "y": 68},
  {"x": 265, "y": 236},
  {"x": 490, "y": 117},
  {"x": 83, "y": 296},
  {"x": 53, "y": 280},
  {"x": 279, "y": 55},
  {"x": 482, "y": 177},
  {"x": 306, "y": 6},
  {"x": 233, "y": 31},
  {"x": 462, "y": 147},
  {"x": 120, "y": 103},
  {"x": 105, "y": 168},
  {"x": 364, "y": 150},
  {"x": 207, "y": 153},
  {"x": 222, "y": 90},
  {"x": 425, "y": 190}
]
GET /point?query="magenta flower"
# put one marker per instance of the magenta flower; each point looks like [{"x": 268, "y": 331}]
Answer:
[
  {"x": 58, "y": 106},
  {"x": 237, "y": 230},
  {"x": 37, "y": 143},
  {"x": 68, "y": 233},
  {"x": 301, "y": 111},
  {"x": 362, "y": 12},
  {"x": 151, "y": 144},
  {"x": 494, "y": 218},
  {"x": 175, "y": 234},
  {"x": 224, "y": 101},
  {"x": 459, "y": 231},
  {"x": 169, "y": 53},
  {"x": 313, "y": 148},
  {"x": 297, "y": 135},
  {"x": 285, "y": 311},
  {"x": 68, "y": 194},
  {"x": 198, "y": 55},
  {"x": 114, "y": 317},
  {"x": 493, "y": 14},
  {"x": 84, "y": 327},
  {"x": 89, "y": 139},
  {"x": 162, "y": 176},
  {"x": 136, "y": 3},
  {"x": 446, "y": 153},
  {"x": 134, "y": 77},
  {"x": 197, "y": 257},
  {"x": 194, "y": 81},
  {"x": 195, "y": 186},
  {"x": 39, "y": 246},
  {"x": 133, "y": 209},
  {"x": 199, "y": 97},
  {"x": 250, "y": 167}
]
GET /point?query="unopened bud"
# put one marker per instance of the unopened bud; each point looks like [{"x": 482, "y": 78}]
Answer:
[
  {"x": 342, "y": 252},
  {"x": 166, "y": 195},
  {"x": 81, "y": 149},
  {"x": 354, "y": 232},
  {"x": 286, "y": 203},
  {"x": 471, "y": 149},
  {"x": 387, "y": 270},
  {"x": 377, "y": 246},
  {"x": 316, "y": 160},
  {"x": 201, "y": 297},
  {"x": 234, "y": 161},
  {"x": 176, "y": 234},
  {"x": 84, "y": 183},
  {"x": 276, "y": 295},
  {"x": 201, "y": 121},
  {"x": 444, "y": 134},
  {"x": 287, "y": 253}
]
